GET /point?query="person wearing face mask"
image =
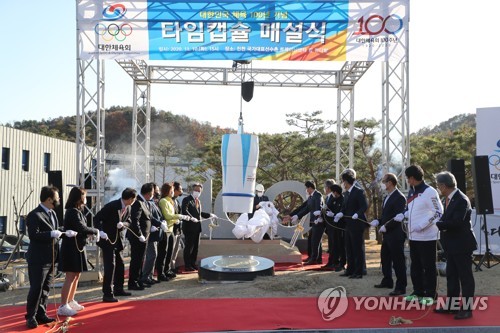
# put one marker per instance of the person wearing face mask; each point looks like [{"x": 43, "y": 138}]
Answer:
[
  {"x": 312, "y": 206},
  {"x": 167, "y": 206},
  {"x": 73, "y": 259},
  {"x": 257, "y": 199},
  {"x": 336, "y": 237},
  {"x": 43, "y": 253},
  {"x": 392, "y": 250},
  {"x": 158, "y": 230},
  {"x": 353, "y": 214},
  {"x": 423, "y": 210},
  {"x": 191, "y": 206}
]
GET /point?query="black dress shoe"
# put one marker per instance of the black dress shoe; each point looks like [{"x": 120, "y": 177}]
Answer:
[
  {"x": 345, "y": 274},
  {"x": 445, "y": 311},
  {"x": 122, "y": 293},
  {"x": 189, "y": 269},
  {"x": 356, "y": 276},
  {"x": 310, "y": 262},
  {"x": 31, "y": 323},
  {"x": 383, "y": 285},
  {"x": 328, "y": 267},
  {"x": 163, "y": 277},
  {"x": 135, "y": 287},
  {"x": 397, "y": 292},
  {"x": 339, "y": 269},
  {"x": 144, "y": 285},
  {"x": 306, "y": 259},
  {"x": 44, "y": 319},
  {"x": 171, "y": 274},
  {"x": 194, "y": 266},
  {"x": 463, "y": 314},
  {"x": 109, "y": 299}
]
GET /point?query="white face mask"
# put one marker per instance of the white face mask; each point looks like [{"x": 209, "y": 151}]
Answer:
[
  {"x": 383, "y": 187},
  {"x": 196, "y": 194},
  {"x": 259, "y": 194}
]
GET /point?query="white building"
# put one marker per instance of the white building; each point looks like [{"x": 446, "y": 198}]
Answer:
[{"x": 26, "y": 161}]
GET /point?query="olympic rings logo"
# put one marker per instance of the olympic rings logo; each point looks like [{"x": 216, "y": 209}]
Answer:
[
  {"x": 375, "y": 24},
  {"x": 114, "y": 12},
  {"x": 113, "y": 31},
  {"x": 495, "y": 161}
]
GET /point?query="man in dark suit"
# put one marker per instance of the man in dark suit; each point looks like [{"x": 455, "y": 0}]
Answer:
[
  {"x": 158, "y": 231},
  {"x": 458, "y": 241},
  {"x": 191, "y": 206},
  {"x": 111, "y": 220},
  {"x": 336, "y": 236},
  {"x": 42, "y": 256},
  {"x": 313, "y": 206},
  {"x": 392, "y": 250},
  {"x": 353, "y": 213},
  {"x": 138, "y": 235},
  {"x": 257, "y": 199}
]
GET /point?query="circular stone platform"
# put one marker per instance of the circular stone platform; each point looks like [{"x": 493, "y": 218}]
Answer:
[{"x": 234, "y": 268}]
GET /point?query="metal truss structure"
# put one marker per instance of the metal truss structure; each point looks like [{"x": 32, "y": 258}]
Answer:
[{"x": 395, "y": 128}]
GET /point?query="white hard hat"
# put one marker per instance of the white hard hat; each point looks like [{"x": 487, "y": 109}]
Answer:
[{"x": 259, "y": 188}]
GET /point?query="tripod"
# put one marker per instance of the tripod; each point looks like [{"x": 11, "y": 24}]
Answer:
[{"x": 487, "y": 256}]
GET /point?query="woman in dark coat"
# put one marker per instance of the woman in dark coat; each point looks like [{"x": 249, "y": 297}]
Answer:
[{"x": 73, "y": 259}]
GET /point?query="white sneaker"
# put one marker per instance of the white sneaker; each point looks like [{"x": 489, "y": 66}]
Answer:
[
  {"x": 65, "y": 310},
  {"x": 75, "y": 306}
]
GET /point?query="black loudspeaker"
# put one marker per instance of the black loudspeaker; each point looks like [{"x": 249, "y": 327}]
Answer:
[
  {"x": 55, "y": 179},
  {"x": 457, "y": 168},
  {"x": 247, "y": 90},
  {"x": 482, "y": 184}
]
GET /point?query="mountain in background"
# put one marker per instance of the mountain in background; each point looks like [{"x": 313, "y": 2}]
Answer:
[{"x": 180, "y": 130}]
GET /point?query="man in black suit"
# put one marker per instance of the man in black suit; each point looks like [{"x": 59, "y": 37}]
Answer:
[
  {"x": 392, "y": 250},
  {"x": 257, "y": 199},
  {"x": 138, "y": 235},
  {"x": 353, "y": 213},
  {"x": 42, "y": 256},
  {"x": 313, "y": 206},
  {"x": 458, "y": 241},
  {"x": 191, "y": 206},
  {"x": 111, "y": 220},
  {"x": 336, "y": 236}
]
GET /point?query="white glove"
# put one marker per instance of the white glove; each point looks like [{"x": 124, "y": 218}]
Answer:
[
  {"x": 295, "y": 218},
  {"x": 318, "y": 220},
  {"x": 407, "y": 215},
  {"x": 382, "y": 229},
  {"x": 177, "y": 222},
  {"x": 374, "y": 223},
  {"x": 70, "y": 233},
  {"x": 153, "y": 229},
  {"x": 355, "y": 216},
  {"x": 338, "y": 216},
  {"x": 213, "y": 216},
  {"x": 103, "y": 235},
  {"x": 142, "y": 239},
  {"x": 55, "y": 234},
  {"x": 330, "y": 213},
  {"x": 164, "y": 226},
  {"x": 194, "y": 219},
  {"x": 185, "y": 217},
  {"x": 119, "y": 225},
  {"x": 399, "y": 218},
  {"x": 317, "y": 213}
]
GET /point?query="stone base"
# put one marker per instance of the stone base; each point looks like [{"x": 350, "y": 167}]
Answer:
[{"x": 277, "y": 250}]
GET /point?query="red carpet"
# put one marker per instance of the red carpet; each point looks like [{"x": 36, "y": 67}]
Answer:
[{"x": 192, "y": 315}]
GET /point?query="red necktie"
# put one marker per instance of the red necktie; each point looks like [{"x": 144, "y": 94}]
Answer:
[{"x": 446, "y": 202}]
